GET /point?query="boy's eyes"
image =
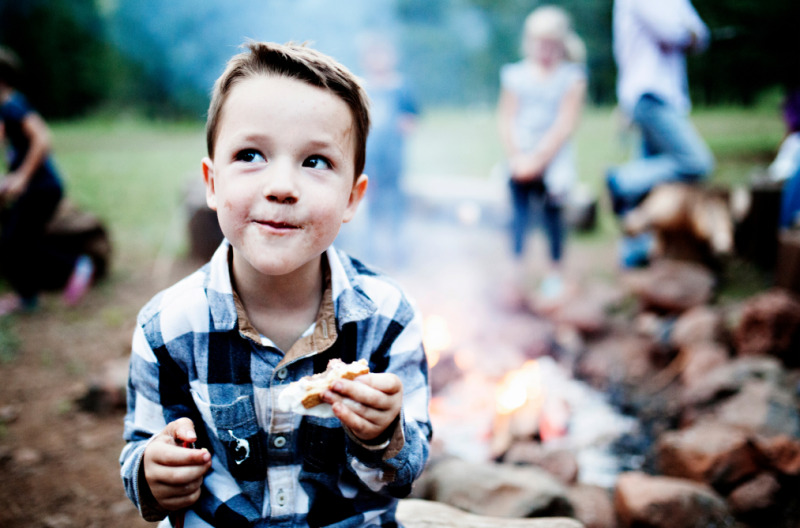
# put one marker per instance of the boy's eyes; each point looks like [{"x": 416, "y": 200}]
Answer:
[
  {"x": 249, "y": 156},
  {"x": 317, "y": 162},
  {"x": 254, "y": 156}
]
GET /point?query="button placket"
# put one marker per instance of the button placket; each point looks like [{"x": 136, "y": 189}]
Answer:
[{"x": 280, "y": 497}]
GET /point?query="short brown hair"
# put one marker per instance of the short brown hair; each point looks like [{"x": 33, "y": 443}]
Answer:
[{"x": 299, "y": 62}]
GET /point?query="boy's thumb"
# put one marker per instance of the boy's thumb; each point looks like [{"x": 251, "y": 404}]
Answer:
[{"x": 181, "y": 430}]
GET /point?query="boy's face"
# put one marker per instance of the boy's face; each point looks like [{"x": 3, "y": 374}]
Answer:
[{"x": 281, "y": 179}]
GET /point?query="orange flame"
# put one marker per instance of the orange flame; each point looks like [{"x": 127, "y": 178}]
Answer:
[{"x": 519, "y": 387}]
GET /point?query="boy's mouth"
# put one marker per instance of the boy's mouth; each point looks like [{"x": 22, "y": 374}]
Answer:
[{"x": 278, "y": 225}]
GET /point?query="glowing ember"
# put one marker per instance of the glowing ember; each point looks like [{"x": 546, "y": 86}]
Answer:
[
  {"x": 519, "y": 387},
  {"x": 436, "y": 338}
]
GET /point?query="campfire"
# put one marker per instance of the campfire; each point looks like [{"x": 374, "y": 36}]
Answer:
[
  {"x": 480, "y": 412},
  {"x": 673, "y": 405}
]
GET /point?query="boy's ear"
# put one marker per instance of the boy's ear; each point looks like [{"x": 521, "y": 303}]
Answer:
[
  {"x": 356, "y": 194},
  {"x": 208, "y": 178}
]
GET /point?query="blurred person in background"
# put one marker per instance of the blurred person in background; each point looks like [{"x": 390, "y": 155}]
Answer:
[
  {"x": 30, "y": 193},
  {"x": 540, "y": 104},
  {"x": 651, "y": 40},
  {"x": 786, "y": 166},
  {"x": 394, "y": 111}
]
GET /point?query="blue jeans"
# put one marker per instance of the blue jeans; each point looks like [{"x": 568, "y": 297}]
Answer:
[
  {"x": 790, "y": 201},
  {"x": 672, "y": 150},
  {"x": 525, "y": 194}
]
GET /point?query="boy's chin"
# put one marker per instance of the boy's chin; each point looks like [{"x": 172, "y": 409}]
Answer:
[{"x": 283, "y": 267}]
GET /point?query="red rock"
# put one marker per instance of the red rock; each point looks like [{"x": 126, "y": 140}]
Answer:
[
  {"x": 594, "y": 506},
  {"x": 770, "y": 324},
  {"x": 588, "y": 317},
  {"x": 761, "y": 407},
  {"x": 697, "y": 325},
  {"x": 781, "y": 452},
  {"x": 715, "y": 454},
  {"x": 700, "y": 358},
  {"x": 755, "y": 496},
  {"x": 728, "y": 379},
  {"x": 617, "y": 360},
  {"x": 560, "y": 463},
  {"x": 496, "y": 490},
  {"x": 671, "y": 286},
  {"x": 667, "y": 502}
]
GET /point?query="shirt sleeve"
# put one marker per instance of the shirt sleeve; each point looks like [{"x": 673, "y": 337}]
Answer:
[
  {"x": 143, "y": 420},
  {"x": 508, "y": 78},
  {"x": 392, "y": 469},
  {"x": 671, "y": 22},
  {"x": 16, "y": 109}
]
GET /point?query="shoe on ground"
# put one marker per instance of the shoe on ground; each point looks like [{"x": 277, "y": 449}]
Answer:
[
  {"x": 12, "y": 304},
  {"x": 80, "y": 281}
]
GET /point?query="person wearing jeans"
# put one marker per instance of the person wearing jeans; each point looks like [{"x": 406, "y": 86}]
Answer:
[{"x": 651, "y": 40}]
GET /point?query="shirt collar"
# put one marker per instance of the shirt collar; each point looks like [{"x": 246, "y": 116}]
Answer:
[
  {"x": 343, "y": 300},
  {"x": 351, "y": 301}
]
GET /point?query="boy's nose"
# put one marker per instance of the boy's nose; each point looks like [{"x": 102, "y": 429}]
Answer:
[{"x": 280, "y": 184}]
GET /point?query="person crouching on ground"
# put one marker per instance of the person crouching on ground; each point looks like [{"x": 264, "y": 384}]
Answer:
[
  {"x": 286, "y": 136},
  {"x": 29, "y": 196}
]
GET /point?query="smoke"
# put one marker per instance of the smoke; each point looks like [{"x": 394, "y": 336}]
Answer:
[{"x": 185, "y": 43}]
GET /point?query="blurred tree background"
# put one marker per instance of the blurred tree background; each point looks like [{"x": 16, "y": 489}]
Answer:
[{"x": 159, "y": 58}]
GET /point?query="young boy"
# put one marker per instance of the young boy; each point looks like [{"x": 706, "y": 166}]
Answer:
[{"x": 286, "y": 136}]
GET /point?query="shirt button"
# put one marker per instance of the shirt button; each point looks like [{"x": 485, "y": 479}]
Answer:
[
  {"x": 282, "y": 373},
  {"x": 281, "y": 498},
  {"x": 279, "y": 441}
]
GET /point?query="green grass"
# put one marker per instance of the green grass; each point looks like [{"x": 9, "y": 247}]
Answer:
[
  {"x": 466, "y": 143},
  {"x": 133, "y": 173}
]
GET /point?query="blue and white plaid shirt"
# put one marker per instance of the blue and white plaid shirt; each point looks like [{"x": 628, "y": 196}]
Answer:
[{"x": 196, "y": 355}]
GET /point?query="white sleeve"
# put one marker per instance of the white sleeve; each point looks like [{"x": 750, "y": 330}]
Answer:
[{"x": 671, "y": 22}]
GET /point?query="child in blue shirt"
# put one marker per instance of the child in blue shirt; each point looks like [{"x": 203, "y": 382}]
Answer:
[{"x": 286, "y": 136}]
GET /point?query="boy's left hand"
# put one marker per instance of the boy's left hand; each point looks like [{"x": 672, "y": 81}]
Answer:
[{"x": 367, "y": 405}]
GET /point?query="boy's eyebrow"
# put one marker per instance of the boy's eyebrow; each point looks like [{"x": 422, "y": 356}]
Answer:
[{"x": 322, "y": 144}]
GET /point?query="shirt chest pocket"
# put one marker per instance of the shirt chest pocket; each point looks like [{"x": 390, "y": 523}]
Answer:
[
  {"x": 321, "y": 444},
  {"x": 241, "y": 438}
]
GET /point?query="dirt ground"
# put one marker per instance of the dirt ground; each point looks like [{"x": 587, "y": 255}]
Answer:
[{"x": 59, "y": 464}]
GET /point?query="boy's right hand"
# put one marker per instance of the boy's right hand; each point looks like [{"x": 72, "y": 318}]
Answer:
[{"x": 175, "y": 473}]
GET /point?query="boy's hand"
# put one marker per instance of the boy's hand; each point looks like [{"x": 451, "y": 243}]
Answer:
[
  {"x": 173, "y": 472},
  {"x": 367, "y": 405}
]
